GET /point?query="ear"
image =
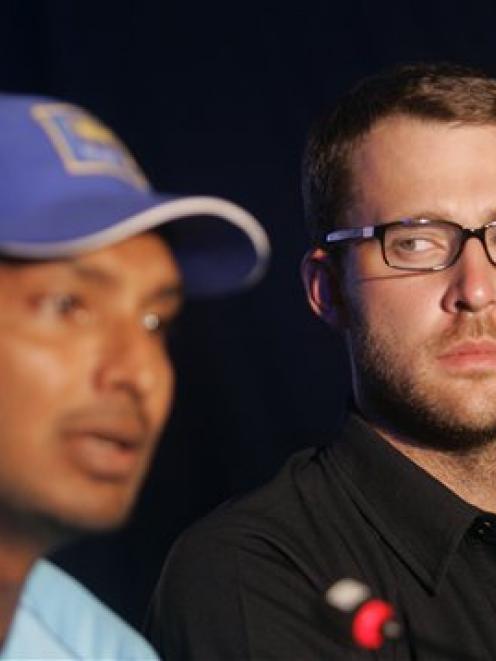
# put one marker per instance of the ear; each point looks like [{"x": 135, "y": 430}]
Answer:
[{"x": 323, "y": 287}]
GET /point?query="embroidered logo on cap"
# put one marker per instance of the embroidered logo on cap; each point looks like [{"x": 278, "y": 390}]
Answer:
[{"x": 85, "y": 145}]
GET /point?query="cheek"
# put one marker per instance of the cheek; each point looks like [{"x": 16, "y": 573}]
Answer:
[
  {"x": 32, "y": 371},
  {"x": 163, "y": 395},
  {"x": 33, "y": 387},
  {"x": 388, "y": 298},
  {"x": 408, "y": 311}
]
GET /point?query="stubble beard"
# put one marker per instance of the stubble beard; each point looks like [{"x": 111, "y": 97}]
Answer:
[{"x": 398, "y": 392}]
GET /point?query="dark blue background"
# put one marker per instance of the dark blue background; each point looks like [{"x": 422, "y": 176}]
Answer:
[{"x": 216, "y": 98}]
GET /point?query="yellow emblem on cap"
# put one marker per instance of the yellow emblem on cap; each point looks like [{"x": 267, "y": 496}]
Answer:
[
  {"x": 85, "y": 145},
  {"x": 89, "y": 129}
]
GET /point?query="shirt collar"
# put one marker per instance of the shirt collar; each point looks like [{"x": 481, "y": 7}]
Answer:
[{"x": 420, "y": 518}]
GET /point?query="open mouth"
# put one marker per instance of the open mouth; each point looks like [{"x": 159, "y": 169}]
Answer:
[{"x": 105, "y": 454}]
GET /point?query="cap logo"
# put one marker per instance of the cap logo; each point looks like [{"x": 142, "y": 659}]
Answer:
[{"x": 85, "y": 145}]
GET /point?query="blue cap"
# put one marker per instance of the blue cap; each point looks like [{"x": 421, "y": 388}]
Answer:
[{"x": 68, "y": 186}]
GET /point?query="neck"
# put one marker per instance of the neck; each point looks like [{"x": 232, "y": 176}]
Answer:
[
  {"x": 471, "y": 475},
  {"x": 16, "y": 560},
  {"x": 20, "y": 546}
]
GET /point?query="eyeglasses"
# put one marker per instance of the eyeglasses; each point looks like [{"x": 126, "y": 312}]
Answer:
[{"x": 420, "y": 244}]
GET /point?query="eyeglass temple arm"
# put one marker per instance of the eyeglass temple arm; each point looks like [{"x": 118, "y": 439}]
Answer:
[{"x": 351, "y": 233}]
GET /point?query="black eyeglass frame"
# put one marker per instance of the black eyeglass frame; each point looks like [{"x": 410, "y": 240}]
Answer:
[{"x": 379, "y": 232}]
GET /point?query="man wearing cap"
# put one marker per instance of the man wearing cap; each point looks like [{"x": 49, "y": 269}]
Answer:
[{"x": 93, "y": 269}]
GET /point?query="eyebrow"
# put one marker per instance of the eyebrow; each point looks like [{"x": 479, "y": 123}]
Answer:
[
  {"x": 487, "y": 216},
  {"x": 163, "y": 293},
  {"x": 92, "y": 274},
  {"x": 431, "y": 215}
]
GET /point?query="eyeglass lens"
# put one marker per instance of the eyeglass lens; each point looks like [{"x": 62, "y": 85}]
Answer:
[{"x": 428, "y": 246}]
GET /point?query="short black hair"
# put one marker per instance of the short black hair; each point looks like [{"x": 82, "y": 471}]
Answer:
[{"x": 440, "y": 92}]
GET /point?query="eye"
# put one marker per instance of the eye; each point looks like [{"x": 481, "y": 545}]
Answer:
[
  {"x": 158, "y": 325},
  {"x": 491, "y": 234},
  {"x": 60, "y": 304},
  {"x": 415, "y": 244},
  {"x": 418, "y": 241},
  {"x": 66, "y": 303},
  {"x": 61, "y": 307}
]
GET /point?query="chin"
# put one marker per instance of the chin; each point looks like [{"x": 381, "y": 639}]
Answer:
[
  {"x": 100, "y": 522},
  {"x": 99, "y": 517},
  {"x": 426, "y": 408},
  {"x": 66, "y": 520},
  {"x": 430, "y": 422}
]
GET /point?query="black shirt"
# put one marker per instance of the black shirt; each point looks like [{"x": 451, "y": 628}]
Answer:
[{"x": 248, "y": 582}]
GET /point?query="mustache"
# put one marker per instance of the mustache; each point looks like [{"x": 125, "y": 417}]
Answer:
[
  {"x": 477, "y": 328},
  {"x": 103, "y": 414}
]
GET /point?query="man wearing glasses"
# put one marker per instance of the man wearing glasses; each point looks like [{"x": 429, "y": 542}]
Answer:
[{"x": 383, "y": 544}]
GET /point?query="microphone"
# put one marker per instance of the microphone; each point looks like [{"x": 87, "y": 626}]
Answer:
[{"x": 366, "y": 622}]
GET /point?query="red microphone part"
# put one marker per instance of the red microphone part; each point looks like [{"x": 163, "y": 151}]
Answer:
[{"x": 368, "y": 623}]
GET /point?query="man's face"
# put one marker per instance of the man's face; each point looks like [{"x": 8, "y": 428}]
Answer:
[
  {"x": 423, "y": 346},
  {"x": 85, "y": 382}
]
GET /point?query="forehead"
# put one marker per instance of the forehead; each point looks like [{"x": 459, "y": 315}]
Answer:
[
  {"x": 136, "y": 265},
  {"x": 407, "y": 166}
]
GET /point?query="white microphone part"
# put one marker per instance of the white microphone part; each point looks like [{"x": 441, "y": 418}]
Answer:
[{"x": 346, "y": 594}]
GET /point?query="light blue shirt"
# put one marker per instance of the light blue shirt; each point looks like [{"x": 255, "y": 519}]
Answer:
[{"x": 57, "y": 618}]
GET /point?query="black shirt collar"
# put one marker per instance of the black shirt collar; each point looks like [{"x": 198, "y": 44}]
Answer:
[{"x": 420, "y": 518}]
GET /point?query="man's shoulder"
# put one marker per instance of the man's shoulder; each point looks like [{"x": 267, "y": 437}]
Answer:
[
  {"x": 287, "y": 511},
  {"x": 57, "y": 614},
  {"x": 267, "y": 557},
  {"x": 299, "y": 479}
]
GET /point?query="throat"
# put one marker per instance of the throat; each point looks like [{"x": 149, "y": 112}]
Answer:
[
  {"x": 9, "y": 598},
  {"x": 17, "y": 557}
]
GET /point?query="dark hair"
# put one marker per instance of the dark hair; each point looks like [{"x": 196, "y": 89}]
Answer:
[{"x": 440, "y": 92}]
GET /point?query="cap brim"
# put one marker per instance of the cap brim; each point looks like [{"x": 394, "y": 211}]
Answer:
[{"x": 220, "y": 247}]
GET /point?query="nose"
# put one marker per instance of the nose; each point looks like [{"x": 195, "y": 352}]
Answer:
[
  {"x": 471, "y": 284},
  {"x": 130, "y": 361}
]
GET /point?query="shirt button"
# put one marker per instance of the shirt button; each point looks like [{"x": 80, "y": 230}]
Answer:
[{"x": 485, "y": 529}]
